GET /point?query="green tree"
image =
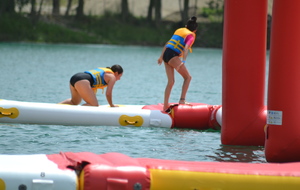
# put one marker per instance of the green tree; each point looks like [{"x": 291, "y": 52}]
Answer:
[
  {"x": 7, "y": 6},
  {"x": 40, "y": 7},
  {"x": 185, "y": 12},
  {"x": 157, "y": 12},
  {"x": 124, "y": 10},
  {"x": 33, "y": 8},
  {"x": 79, "y": 9},
  {"x": 21, "y": 4},
  {"x": 214, "y": 9},
  {"x": 56, "y": 7},
  {"x": 154, "y": 5},
  {"x": 150, "y": 10},
  {"x": 68, "y": 7}
]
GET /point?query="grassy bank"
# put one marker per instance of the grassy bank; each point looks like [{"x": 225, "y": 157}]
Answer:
[{"x": 108, "y": 29}]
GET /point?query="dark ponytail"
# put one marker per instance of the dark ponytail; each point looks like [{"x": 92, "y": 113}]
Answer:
[
  {"x": 192, "y": 24},
  {"x": 116, "y": 68}
]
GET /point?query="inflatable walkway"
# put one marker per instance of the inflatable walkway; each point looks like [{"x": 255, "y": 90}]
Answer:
[{"x": 195, "y": 116}]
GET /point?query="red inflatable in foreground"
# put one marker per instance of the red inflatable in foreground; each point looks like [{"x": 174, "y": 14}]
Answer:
[{"x": 115, "y": 171}]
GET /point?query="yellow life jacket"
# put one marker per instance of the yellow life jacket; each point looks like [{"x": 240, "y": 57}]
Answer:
[
  {"x": 98, "y": 77},
  {"x": 176, "y": 42}
]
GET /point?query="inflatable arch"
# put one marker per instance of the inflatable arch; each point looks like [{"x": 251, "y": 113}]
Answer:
[
  {"x": 283, "y": 130},
  {"x": 244, "y": 116},
  {"x": 243, "y": 72}
]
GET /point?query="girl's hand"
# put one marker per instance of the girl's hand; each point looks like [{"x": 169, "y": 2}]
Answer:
[{"x": 160, "y": 60}]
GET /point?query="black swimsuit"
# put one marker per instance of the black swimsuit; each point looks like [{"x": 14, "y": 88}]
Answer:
[
  {"x": 81, "y": 76},
  {"x": 169, "y": 54}
]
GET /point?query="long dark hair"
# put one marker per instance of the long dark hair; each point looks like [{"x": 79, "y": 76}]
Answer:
[
  {"x": 192, "y": 24},
  {"x": 116, "y": 68}
]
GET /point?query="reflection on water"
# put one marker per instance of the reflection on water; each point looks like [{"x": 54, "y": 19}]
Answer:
[{"x": 228, "y": 153}]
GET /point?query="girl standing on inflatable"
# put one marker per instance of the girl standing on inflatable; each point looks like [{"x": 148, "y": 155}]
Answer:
[
  {"x": 84, "y": 85},
  {"x": 178, "y": 46}
]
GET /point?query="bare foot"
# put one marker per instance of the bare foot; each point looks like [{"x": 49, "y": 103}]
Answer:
[
  {"x": 182, "y": 101},
  {"x": 166, "y": 107}
]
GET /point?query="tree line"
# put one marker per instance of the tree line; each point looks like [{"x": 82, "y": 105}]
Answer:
[
  {"x": 73, "y": 25},
  {"x": 153, "y": 14}
]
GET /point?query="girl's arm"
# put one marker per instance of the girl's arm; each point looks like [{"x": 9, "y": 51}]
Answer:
[
  {"x": 188, "y": 41},
  {"x": 110, "y": 85},
  {"x": 160, "y": 59}
]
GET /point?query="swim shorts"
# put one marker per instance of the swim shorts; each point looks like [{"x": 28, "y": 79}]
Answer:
[
  {"x": 81, "y": 76},
  {"x": 169, "y": 54}
]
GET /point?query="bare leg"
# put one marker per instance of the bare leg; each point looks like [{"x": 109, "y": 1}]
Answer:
[
  {"x": 176, "y": 63},
  {"x": 171, "y": 81},
  {"x": 86, "y": 92},
  {"x": 186, "y": 82},
  {"x": 82, "y": 90},
  {"x": 75, "y": 97}
]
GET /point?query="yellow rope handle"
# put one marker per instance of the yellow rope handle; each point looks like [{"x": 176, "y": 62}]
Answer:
[
  {"x": 131, "y": 122},
  {"x": 9, "y": 112},
  {"x": 6, "y": 113}
]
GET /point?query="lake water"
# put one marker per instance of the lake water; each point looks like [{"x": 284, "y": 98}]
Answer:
[{"x": 41, "y": 73}]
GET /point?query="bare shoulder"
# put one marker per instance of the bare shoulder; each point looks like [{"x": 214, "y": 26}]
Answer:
[{"x": 109, "y": 77}]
